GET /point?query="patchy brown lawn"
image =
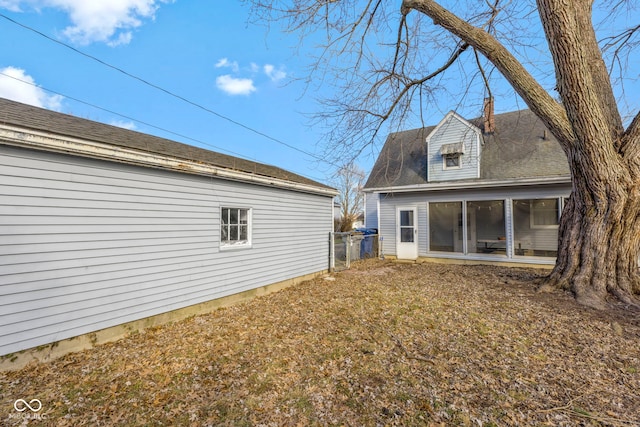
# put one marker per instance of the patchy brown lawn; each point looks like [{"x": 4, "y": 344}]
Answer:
[{"x": 382, "y": 344}]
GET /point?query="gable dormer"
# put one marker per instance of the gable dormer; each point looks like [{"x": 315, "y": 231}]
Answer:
[{"x": 453, "y": 150}]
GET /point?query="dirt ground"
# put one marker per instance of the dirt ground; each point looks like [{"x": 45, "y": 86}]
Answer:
[{"x": 380, "y": 344}]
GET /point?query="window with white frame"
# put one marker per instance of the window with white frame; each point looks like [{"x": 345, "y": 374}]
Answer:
[
  {"x": 544, "y": 213},
  {"x": 451, "y": 155},
  {"x": 235, "y": 227},
  {"x": 452, "y": 161}
]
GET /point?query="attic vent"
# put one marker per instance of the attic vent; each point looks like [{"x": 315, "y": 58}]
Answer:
[{"x": 455, "y": 148}]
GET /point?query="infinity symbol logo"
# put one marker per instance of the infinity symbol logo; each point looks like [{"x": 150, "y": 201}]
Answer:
[{"x": 21, "y": 405}]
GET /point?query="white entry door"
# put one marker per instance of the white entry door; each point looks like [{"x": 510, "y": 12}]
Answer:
[{"x": 407, "y": 233}]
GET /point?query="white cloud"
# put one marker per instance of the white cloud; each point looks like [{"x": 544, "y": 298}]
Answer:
[
  {"x": 12, "y": 5},
  {"x": 122, "y": 38},
  {"x": 225, "y": 63},
  {"x": 273, "y": 74},
  {"x": 108, "y": 21},
  {"x": 16, "y": 85},
  {"x": 123, "y": 124},
  {"x": 235, "y": 86},
  {"x": 231, "y": 84}
]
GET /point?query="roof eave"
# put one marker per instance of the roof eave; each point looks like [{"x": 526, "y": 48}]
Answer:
[
  {"x": 20, "y": 137},
  {"x": 475, "y": 184}
]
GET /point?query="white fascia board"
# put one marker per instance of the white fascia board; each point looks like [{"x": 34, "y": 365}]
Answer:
[
  {"x": 451, "y": 185},
  {"x": 52, "y": 142}
]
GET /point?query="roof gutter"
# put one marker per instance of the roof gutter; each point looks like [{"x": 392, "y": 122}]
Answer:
[
  {"x": 449, "y": 185},
  {"x": 52, "y": 142}
]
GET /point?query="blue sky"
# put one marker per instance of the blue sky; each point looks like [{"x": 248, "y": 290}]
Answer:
[
  {"x": 205, "y": 52},
  {"x": 238, "y": 79}
]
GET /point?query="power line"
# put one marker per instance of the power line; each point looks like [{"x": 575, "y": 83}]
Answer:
[
  {"x": 125, "y": 116},
  {"x": 168, "y": 92},
  {"x": 139, "y": 121}
]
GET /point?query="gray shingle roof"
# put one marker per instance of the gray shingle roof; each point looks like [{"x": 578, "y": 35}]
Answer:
[
  {"x": 521, "y": 147},
  {"x": 38, "y": 119}
]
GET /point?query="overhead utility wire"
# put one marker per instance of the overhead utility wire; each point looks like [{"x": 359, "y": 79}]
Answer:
[
  {"x": 127, "y": 117},
  {"x": 235, "y": 122},
  {"x": 144, "y": 123}
]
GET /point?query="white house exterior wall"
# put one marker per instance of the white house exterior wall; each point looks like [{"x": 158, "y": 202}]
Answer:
[
  {"x": 88, "y": 244},
  {"x": 371, "y": 210},
  {"x": 388, "y": 229}
]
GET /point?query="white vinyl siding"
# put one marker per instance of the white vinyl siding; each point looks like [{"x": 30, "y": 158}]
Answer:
[
  {"x": 453, "y": 130},
  {"x": 87, "y": 244},
  {"x": 388, "y": 216},
  {"x": 371, "y": 210}
]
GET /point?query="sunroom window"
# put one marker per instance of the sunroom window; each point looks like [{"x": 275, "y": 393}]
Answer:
[
  {"x": 486, "y": 227},
  {"x": 544, "y": 213},
  {"x": 445, "y": 225},
  {"x": 535, "y": 227}
]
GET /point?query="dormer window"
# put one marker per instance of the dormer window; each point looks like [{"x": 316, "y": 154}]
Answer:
[
  {"x": 452, "y": 161},
  {"x": 451, "y": 154}
]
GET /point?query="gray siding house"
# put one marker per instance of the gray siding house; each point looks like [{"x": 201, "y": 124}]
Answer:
[
  {"x": 102, "y": 226},
  {"x": 506, "y": 175}
]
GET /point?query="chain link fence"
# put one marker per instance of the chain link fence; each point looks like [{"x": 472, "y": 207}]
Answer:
[{"x": 353, "y": 246}]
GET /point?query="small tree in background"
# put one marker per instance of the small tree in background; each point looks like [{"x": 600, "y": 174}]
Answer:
[{"x": 349, "y": 181}]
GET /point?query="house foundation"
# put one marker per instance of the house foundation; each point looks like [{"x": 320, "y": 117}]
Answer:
[{"x": 55, "y": 350}]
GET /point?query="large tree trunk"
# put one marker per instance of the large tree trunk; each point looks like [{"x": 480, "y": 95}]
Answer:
[
  {"x": 599, "y": 242},
  {"x": 599, "y": 236}
]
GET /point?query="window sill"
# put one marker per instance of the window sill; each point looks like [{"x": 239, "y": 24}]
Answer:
[{"x": 235, "y": 247}]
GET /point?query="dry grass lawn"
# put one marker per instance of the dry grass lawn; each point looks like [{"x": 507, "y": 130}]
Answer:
[{"x": 381, "y": 344}]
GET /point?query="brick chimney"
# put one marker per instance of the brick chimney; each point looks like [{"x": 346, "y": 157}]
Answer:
[{"x": 489, "y": 122}]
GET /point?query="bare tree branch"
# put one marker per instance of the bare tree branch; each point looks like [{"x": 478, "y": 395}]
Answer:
[
  {"x": 536, "y": 97},
  {"x": 409, "y": 84}
]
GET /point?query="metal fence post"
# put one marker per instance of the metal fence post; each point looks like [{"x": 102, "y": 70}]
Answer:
[{"x": 332, "y": 253}]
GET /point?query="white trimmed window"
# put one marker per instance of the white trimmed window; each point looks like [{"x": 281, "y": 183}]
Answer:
[
  {"x": 451, "y": 155},
  {"x": 235, "y": 227},
  {"x": 544, "y": 213},
  {"x": 452, "y": 161}
]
